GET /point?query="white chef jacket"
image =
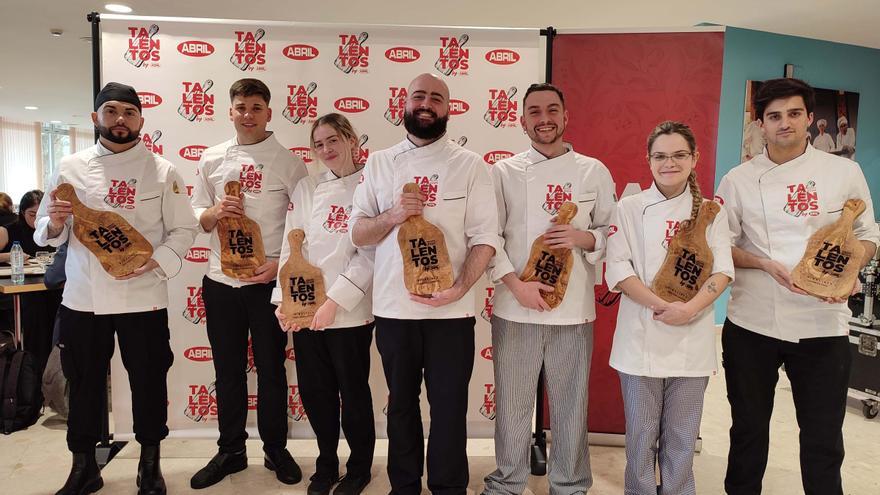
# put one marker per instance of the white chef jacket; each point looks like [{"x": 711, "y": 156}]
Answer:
[
  {"x": 824, "y": 142},
  {"x": 461, "y": 203},
  {"x": 773, "y": 210},
  {"x": 641, "y": 229},
  {"x": 848, "y": 139},
  {"x": 147, "y": 191},
  {"x": 322, "y": 208},
  {"x": 529, "y": 188},
  {"x": 268, "y": 173}
]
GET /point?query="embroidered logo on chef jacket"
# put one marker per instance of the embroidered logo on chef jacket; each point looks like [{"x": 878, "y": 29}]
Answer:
[
  {"x": 429, "y": 187},
  {"x": 396, "y": 104},
  {"x": 201, "y": 403},
  {"x": 718, "y": 199},
  {"x": 295, "y": 409},
  {"x": 151, "y": 142},
  {"x": 454, "y": 58},
  {"x": 302, "y": 290},
  {"x": 555, "y": 195},
  {"x": 337, "y": 219},
  {"x": 194, "y": 311},
  {"x": 290, "y": 206},
  {"x": 353, "y": 55},
  {"x": 612, "y": 229},
  {"x": 502, "y": 109},
  {"x": 672, "y": 228},
  {"x": 121, "y": 193},
  {"x": 802, "y": 200},
  {"x": 251, "y": 177},
  {"x": 249, "y": 53},
  {"x": 488, "y": 407},
  {"x": 196, "y": 103},
  {"x": 488, "y": 304},
  {"x": 302, "y": 103},
  {"x": 143, "y": 46}
]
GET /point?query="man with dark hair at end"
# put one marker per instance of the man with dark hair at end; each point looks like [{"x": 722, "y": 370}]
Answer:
[
  {"x": 775, "y": 202},
  {"x": 268, "y": 174}
]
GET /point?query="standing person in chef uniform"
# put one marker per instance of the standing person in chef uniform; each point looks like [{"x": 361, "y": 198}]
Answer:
[
  {"x": 268, "y": 174},
  {"x": 333, "y": 353},
  {"x": 846, "y": 136},
  {"x": 95, "y": 305},
  {"x": 526, "y": 335},
  {"x": 775, "y": 202},
  {"x": 431, "y": 336},
  {"x": 823, "y": 141},
  {"x": 663, "y": 352}
]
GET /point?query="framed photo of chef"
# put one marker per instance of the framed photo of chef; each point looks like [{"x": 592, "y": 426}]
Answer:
[{"x": 834, "y": 126}]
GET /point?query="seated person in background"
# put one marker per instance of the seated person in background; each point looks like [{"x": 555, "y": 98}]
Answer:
[{"x": 7, "y": 215}]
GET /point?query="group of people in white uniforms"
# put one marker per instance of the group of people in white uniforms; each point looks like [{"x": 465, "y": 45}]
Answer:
[
  {"x": 846, "y": 137},
  {"x": 664, "y": 352}
]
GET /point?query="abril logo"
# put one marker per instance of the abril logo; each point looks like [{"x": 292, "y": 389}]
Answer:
[
  {"x": 301, "y": 107},
  {"x": 304, "y": 153},
  {"x": 496, "y": 156},
  {"x": 249, "y": 54},
  {"x": 486, "y": 353},
  {"x": 501, "y": 110},
  {"x": 353, "y": 56},
  {"x": 453, "y": 58},
  {"x": 300, "y": 52},
  {"x": 396, "y": 104},
  {"x": 458, "y": 107},
  {"x": 196, "y": 103},
  {"x": 402, "y": 54},
  {"x": 351, "y": 104},
  {"x": 192, "y": 152},
  {"x": 142, "y": 48},
  {"x": 195, "y": 48},
  {"x": 198, "y": 354},
  {"x": 149, "y": 100},
  {"x": 502, "y": 56},
  {"x": 198, "y": 254}
]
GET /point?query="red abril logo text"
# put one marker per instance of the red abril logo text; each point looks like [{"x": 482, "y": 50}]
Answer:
[
  {"x": 351, "y": 104},
  {"x": 496, "y": 156},
  {"x": 149, "y": 100},
  {"x": 195, "y": 48},
  {"x": 300, "y": 52},
  {"x": 198, "y": 254},
  {"x": 402, "y": 54},
  {"x": 502, "y": 56},
  {"x": 198, "y": 354},
  {"x": 193, "y": 152},
  {"x": 304, "y": 153}
]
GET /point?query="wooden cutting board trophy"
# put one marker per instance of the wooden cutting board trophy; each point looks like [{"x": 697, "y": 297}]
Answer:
[
  {"x": 551, "y": 266},
  {"x": 830, "y": 264},
  {"x": 302, "y": 284},
  {"x": 689, "y": 260},
  {"x": 118, "y": 246},
  {"x": 241, "y": 242},
  {"x": 426, "y": 265}
]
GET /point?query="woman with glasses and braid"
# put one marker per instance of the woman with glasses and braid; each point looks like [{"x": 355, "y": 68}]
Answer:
[{"x": 664, "y": 352}]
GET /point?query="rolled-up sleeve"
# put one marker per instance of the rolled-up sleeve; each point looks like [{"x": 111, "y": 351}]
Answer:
[
  {"x": 365, "y": 203},
  {"x": 619, "y": 260},
  {"x": 41, "y": 225},
  {"x": 726, "y": 195},
  {"x": 351, "y": 285},
  {"x": 719, "y": 242},
  {"x": 601, "y": 215},
  {"x": 481, "y": 217}
]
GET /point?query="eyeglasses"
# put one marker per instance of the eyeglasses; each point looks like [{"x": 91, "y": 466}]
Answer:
[{"x": 677, "y": 157}]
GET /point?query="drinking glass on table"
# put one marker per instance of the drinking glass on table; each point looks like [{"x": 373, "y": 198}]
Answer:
[{"x": 44, "y": 259}]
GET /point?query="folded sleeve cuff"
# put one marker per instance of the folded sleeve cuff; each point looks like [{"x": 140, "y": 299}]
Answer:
[
  {"x": 502, "y": 267},
  {"x": 595, "y": 256},
  {"x": 485, "y": 239},
  {"x": 276, "y": 296},
  {"x": 616, "y": 272},
  {"x": 345, "y": 293},
  {"x": 41, "y": 234},
  {"x": 168, "y": 260}
]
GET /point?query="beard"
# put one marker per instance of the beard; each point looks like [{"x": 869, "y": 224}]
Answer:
[
  {"x": 107, "y": 134},
  {"x": 422, "y": 130}
]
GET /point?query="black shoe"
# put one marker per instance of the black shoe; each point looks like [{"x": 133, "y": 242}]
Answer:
[
  {"x": 352, "y": 485},
  {"x": 220, "y": 466},
  {"x": 322, "y": 484},
  {"x": 85, "y": 476},
  {"x": 149, "y": 478},
  {"x": 284, "y": 466}
]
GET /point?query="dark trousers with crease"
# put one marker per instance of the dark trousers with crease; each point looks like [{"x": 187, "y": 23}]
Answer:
[
  {"x": 87, "y": 344},
  {"x": 333, "y": 364},
  {"x": 443, "y": 352},
  {"x": 818, "y": 369},
  {"x": 233, "y": 313}
]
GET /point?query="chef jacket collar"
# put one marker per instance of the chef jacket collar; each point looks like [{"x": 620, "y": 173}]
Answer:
[
  {"x": 763, "y": 161},
  {"x": 534, "y": 156},
  {"x": 653, "y": 196},
  {"x": 328, "y": 177},
  {"x": 266, "y": 144},
  {"x": 410, "y": 149},
  {"x": 108, "y": 157}
]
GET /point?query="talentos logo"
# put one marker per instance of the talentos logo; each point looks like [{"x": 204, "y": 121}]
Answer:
[
  {"x": 121, "y": 193},
  {"x": 501, "y": 109},
  {"x": 556, "y": 195},
  {"x": 302, "y": 290},
  {"x": 831, "y": 258},
  {"x": 672, "y": 228},
  {"x": 802, "y": 200},
  {"x": 249, "y": 53},
  {"x": 454, "y": 58},
  {"x": 396, "y": 105},
  {"x": 353, "y": 56},
  {"x": 688, "y": 268},
  {"x": 429, "y": 187},
  {"x": 302, "y": 106},
  {"x": 143, "y": 49},
  {"x": 251, "y": 177},
  {"x": 111, "y": 238},
  {"x": 295, "y": 409},
  {"x": 488, "y": 407},
  {"x": 194, "y": 311},
  {"x": 201, "y": 404},
  {"x": 488, "y": 304},
  {"x": 196, "y": 103},
  {"x": 337, "y": 219}
]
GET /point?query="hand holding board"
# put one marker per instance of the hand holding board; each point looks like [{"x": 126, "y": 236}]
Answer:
[
  {"x": 551, "y": 266},
  {"x": 426, "y": 265},
  {"x": 241, "y": 243},
  {"x": 302, "y": 284},
  {"x": 689, "y": 259}
]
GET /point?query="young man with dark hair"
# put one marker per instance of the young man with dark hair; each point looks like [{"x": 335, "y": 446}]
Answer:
[
  {"x": 96, "y": 307},
  {"x": 526, "y": 333},
  {"x": 775, "y": 202},
  {"x": 268, "y": 174}
]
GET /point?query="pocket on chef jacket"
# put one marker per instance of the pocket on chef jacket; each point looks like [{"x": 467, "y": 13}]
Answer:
[
  {"x": 455, "y": 203},
  {"x": 585, "y": 203},
  {"x": 149, "y": 207}
]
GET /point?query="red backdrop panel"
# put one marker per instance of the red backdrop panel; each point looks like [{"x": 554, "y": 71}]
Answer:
[{"x": 617, "y": 88}]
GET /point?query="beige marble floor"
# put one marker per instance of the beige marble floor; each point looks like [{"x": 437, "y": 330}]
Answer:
[{"x": 36, "y": 461}]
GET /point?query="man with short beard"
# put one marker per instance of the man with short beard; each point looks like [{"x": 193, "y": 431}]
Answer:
[
  {"x": 431, "y": 335},
  {"x": 526, "y": 333},
  {"x": 118, "y": 174}
]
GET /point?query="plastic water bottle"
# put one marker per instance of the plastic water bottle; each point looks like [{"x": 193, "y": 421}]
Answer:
[{"x": 16, "y": 259}]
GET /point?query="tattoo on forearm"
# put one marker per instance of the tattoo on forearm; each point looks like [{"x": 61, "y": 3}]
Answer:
[{"x": 712, "y": 288}]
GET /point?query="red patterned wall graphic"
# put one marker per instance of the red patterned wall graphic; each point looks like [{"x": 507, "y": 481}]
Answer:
[{"x": 617, "y": 88}]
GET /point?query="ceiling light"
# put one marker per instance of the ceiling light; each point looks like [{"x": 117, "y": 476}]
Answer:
[
  {"x": 54, "y": 121},
  {"x": 55, "y": 32},
  {"x": 31, "y": 108},
  {"x": 118, "y": 8}
]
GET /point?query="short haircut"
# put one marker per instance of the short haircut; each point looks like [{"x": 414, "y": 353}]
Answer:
[
  {"x": 774, "y": 89},
  {"x": 250, "y": 87},
  {"x": 543, "y": 87}
]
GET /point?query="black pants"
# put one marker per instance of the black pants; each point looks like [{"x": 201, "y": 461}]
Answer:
[
  {"x": 86, "y": 342},
  {"x": 818, "y": 369},
  {"x": 331, "y": 363},
  {"x": 444, "y": 351},
  {"x": 230, "y": 312},
  {"x": 38, "y": 311}
]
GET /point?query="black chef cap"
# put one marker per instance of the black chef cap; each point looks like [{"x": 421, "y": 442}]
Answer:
[{"x": 114, "y": 91}]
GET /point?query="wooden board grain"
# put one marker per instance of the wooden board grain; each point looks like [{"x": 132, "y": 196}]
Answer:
[
  {"x": 241, "y": 241},
  {"x": 118, "y": 246},
  {"x": 302, "y": 284},
  {"x": 689, "y": 259},
  {"x": 426, "y": 265},
  {"x": 551, "y": 266}
]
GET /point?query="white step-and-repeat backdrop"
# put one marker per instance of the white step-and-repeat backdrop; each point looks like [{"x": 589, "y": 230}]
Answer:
[{"x": 182, "y": 69}]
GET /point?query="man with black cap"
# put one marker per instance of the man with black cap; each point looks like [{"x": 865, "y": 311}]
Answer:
[{"x": 118, "y": 175}]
